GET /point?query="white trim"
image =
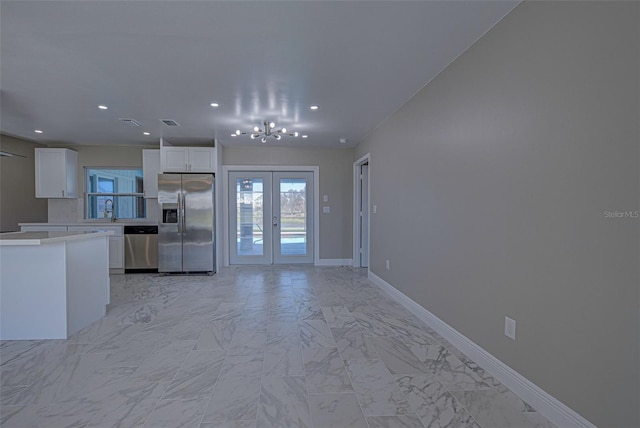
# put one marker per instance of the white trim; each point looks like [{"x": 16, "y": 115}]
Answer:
[
  {"x": 547, "y": 405},
  {"x": 356, "y": 204},
  {"x": 334, "y": 262},
  {"x": 316, "y": 209}
]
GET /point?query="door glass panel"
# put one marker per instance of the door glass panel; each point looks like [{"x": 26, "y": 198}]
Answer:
[
  {"x": 293, "y": 216},
  {"x": 250, "y": 210}
]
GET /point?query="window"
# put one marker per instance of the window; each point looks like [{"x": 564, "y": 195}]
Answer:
[{"x": 114, "y": 192}]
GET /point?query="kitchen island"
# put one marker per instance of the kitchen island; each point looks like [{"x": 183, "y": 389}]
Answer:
[{"x": 52, "y": 284}]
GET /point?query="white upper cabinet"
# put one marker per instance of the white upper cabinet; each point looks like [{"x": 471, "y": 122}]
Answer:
[
  {"x": 187, "y": 159},
  {"x": 202, "y": 159},
  {"x": 174, "y": 159},
  {"x": 150, "y": 171},
  {"x": 56, "y": 173}
]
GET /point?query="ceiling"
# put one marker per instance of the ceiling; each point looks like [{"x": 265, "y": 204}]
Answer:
[{"x": 359, "y": 61}]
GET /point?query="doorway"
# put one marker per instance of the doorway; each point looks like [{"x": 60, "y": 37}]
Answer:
[
  {"x": 271, "y": 217},
  {"x": 361, "y": 214}
]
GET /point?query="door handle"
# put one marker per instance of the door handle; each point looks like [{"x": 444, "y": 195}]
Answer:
[
  {"x": 184, "y": 215},
  {"x": 179, "y": 214},
  {"x": 275, "y": 221}
]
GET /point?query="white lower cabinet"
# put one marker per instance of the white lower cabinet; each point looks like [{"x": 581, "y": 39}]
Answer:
[
  {"x": 116, "y": 242},
  {"x": 116, "y": 252}
]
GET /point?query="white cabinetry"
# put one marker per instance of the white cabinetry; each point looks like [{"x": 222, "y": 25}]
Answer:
[
  {"x": 150, "y": 170},
  {"x": 116, "y": 242},
  {"x": 174, "y": 159},
  {"x": 188, "y": 159},
  {"x": 116, "y": 252},
  {"x": 202, "y": 159},
  {"x": 56, "y": 173}
]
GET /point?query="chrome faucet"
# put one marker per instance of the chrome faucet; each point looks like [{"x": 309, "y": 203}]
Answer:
[{"x": 109, "y": 213}]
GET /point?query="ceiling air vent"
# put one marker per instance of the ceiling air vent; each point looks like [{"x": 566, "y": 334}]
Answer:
[
  {"x": 170, "y": 122},
  {"x": 130, "y": 122}
]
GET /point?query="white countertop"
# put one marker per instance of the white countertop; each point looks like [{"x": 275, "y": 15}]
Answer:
[
  {"x": 39, "y": 238},
  {"x": 95, "y": 223}
]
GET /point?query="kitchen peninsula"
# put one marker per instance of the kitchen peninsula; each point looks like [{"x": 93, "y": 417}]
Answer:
[{"x": 52, "y": 284}]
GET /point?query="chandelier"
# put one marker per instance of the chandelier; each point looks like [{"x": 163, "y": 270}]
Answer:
[{"x": 269, "y": 130}]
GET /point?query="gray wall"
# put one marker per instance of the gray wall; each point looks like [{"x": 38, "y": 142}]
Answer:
[
  {"x": 18, "y": 203},
  {"x": 492, "y": 185},
  {"x": 336, "y": 178}
]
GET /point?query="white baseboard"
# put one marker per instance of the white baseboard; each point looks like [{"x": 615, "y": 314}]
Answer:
[
  {"x": 334, "y": 262},
  {"x": 547, "y": 405}
]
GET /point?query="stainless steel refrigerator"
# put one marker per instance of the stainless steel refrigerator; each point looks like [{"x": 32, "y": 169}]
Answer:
[{"x": 186, "y": 233}]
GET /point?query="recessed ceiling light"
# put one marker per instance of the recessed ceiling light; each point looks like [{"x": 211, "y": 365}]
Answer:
[
  {"x": 101, "y": 107},
  {"x": 305, "y": 136},
  {"x": 343, "y": 141},
  {"x": 37, "y": 131},
  {"x": 314, "y": 107},
  {"x": 146, "y": 133},
  {"x": 215, "y": 105}
]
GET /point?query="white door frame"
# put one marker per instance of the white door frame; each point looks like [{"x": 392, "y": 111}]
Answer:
[
  {"x": 276, "y": 168},
  {"x": 356, "y": 208}
]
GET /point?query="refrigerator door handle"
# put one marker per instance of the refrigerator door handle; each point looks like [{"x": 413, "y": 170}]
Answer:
[
  {"x": 179, "y": 215},
  {"x": 184, "y": 214}
]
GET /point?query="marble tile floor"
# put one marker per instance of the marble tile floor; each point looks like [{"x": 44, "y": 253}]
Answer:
[{"x": 288, "y": 346}]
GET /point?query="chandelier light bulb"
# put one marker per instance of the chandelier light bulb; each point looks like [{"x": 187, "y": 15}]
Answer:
[{"x": 267, "y": 130}]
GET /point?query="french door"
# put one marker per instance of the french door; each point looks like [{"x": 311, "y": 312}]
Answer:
[{"x": 270, "y": 217}]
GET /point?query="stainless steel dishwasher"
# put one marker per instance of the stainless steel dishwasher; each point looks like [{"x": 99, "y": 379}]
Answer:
[{"x": 140, "y": 249}]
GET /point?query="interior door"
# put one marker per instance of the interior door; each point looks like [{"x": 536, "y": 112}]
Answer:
[
  {"x": 270, "y": 217},
  {"x": 250, "y": 222}
]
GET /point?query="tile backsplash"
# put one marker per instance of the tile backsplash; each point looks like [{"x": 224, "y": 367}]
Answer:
[{"x": 66, "y": 210}]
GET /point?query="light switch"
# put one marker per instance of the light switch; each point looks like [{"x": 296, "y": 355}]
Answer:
[
  {"x": 326, "y": 210},
  {"x": 375, "y": 209},
  {"x": 325, "y": 198}
]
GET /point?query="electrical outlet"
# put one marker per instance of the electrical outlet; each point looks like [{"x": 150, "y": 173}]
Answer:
[
  {"x": 387, "y": 264},
  {"x": 510, "y": 328}
]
